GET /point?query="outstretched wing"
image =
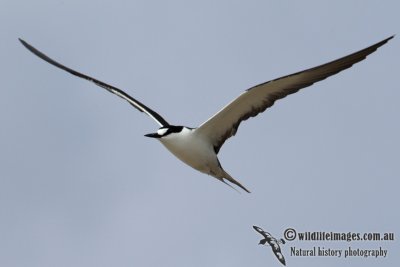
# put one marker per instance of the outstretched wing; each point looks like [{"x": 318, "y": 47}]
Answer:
[
  {"x": 265, "y": 234},
  {"x": 277, "y": 251},
  {"x": 255, "y": 100},
  {"x": 138, "y": 105}
]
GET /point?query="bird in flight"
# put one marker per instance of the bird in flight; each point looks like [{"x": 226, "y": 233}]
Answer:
[
  {"x": 273, "y": 242},
  {"x": 199, "y": 147}
]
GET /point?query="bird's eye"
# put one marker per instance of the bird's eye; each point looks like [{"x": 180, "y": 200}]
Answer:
[{"x": 162, "y": 131}]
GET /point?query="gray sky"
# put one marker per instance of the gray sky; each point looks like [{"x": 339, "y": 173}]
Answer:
[{"x": 81, "y": 186}]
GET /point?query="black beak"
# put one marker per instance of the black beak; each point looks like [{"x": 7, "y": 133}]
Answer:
[{"x": 152, "y": 135}]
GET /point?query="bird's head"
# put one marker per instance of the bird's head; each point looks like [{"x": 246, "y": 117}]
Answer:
[{"x": 164, "y": 131}]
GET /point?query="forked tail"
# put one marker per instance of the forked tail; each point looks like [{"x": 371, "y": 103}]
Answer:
[{"x": 230, "y": 179}]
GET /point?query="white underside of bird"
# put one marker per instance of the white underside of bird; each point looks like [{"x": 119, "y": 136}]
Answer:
[{"x": 196, "y": 150}]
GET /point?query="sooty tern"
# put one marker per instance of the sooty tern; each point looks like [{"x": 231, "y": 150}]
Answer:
[
  {"x": 198, "y": 147},
  {"x": 273, "y": 242}
]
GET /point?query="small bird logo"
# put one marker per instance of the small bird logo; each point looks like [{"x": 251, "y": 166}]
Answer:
[{"x": 273, "y": 242}]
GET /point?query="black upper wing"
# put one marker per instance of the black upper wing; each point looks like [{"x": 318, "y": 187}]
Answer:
[{"x": 138, "y": 105}]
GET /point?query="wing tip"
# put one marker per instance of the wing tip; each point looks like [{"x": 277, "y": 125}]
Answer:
[
  {"x": 29, "y": 47},
  {"x": 22, "y": 42},
  {"x": 258, "y": 229},
  {"x": 384, "y": 41},
  {"x": 391, "y": 37}
]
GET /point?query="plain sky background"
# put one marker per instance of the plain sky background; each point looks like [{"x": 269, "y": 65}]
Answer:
[{"x": 81, "y": 186}]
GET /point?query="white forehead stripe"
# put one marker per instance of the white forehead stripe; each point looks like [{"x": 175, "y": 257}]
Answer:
[{"x": 162, "y": 131}]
